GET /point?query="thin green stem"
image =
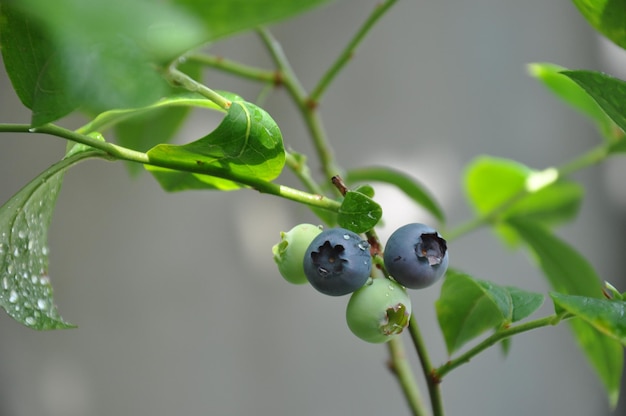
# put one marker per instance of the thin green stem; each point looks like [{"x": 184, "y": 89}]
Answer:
[
  {"x": 288, "y": 77},
  {"x": 401, "y": 368},
  {"x": 307, "y": 108},
  {"x": 495, "y": 338},
  {"x": 116, "y": 152},
  {"x": 235, "y": 68},
  {"x": 297, "y": 163},
  {"x": 180, "y": 79},
  {"x": 590, "y": 158},
  {"x": 349, "y": 50},
  {"x": 432, "y": 382}
]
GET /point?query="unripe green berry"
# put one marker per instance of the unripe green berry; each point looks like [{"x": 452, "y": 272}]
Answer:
[
  {"x": 289, "y": 252},
  {"x": 378, "y": 311}
]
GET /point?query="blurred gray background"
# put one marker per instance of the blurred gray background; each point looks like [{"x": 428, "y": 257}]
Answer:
[{"x": 179, "y": 306}]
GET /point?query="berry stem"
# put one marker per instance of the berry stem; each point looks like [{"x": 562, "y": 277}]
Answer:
[
  {"x": 432, "y": 382},
  {"x": 401, "y": 368},
  {"x": 496, "y": 337}
]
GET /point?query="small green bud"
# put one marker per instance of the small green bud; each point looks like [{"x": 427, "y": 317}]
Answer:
[{"x": 289, "y": 252}]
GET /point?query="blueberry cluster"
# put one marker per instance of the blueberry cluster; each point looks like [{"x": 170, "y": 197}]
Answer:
[{"x": 338, "y": 262}]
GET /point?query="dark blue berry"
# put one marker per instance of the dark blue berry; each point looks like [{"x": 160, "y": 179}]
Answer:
[
  {"x": 416, "y": 256},
  {"x": 337, "y": 262}
]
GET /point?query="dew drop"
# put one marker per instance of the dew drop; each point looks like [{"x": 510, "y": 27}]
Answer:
[
  {"x": 1, "y": 248},
  {"x": 31, "y": 245},
  {"x": 13, "y": 296},
  {"x": 44, "y": 250},
  {"x": 5, "y": 283},
  {"x": 42, "y": 304},
  {"x": 32, "y": 130},
  {"x": 21, "y": 234},
  {"x": 16, "y": 252},
  {"x": 10, "y": 269},
  {"x": 30, "y": 320},
  {"x": 44, "y": 280},
  {"x": 346, "y": 236}
]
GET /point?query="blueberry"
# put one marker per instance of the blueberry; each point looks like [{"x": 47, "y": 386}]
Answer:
[
  {"x": 378, "y": 311},
  {"x": 416, "y": 256},
  {"x": 337, "y": 262},
  {"x": 289, "y": 252}
]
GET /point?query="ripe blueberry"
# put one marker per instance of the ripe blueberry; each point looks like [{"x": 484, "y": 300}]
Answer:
[
  {"x": 416, "y": 256},
  {"x": 378, "y": 311},
  {"x": 337, "y": 262},
  {"x": 289, "y": 252}
]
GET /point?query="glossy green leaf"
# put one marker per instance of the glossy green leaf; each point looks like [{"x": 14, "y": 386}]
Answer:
[
  {"x": 226, "y": 17},
  {"x": 98, "y": 55},
  {"x": 246, "y": 144},
  {"x": 366, "y": 190},
  {"x": 25, "y": 286},
  {"x": 358, "y": 212},
  {"x": 607, "y": 316},
  {"x": 468, "y": 307},
  {"x": 503, "y": 189},
  {"x": 572, "y": 93},
  {"x": 607, "y": 17},
  {"x": 410, "y": 186},
  {"x": 608, "y": 92},
  {"x": 570, "y": 273}
]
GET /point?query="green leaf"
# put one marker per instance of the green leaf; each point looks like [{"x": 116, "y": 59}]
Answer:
[
  {"x": 524, "y": 303},
  {"x": 607, "y": 316},
  {"x": 605, "y": 355},
  {"x": 468, "y": 307},
  {"x": 572, "y": 93},
  {"x": 608, "y": 92},
  {"x": 25, "y": 288},
  {"x": 226, "y": 17},
  {"x": 246, "y": 145},
  {"x": 607, "y": 17},
  {"x": 502, "y": 189},
  {"x": 358, "y": 212},
  {"x": 566, "y": 270},
  {"x": 35, "y": 70},
  {"x": 410, "y": 186},
  {"x": 570, "y": 273},
  {"x": 100, "y": 54}
]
